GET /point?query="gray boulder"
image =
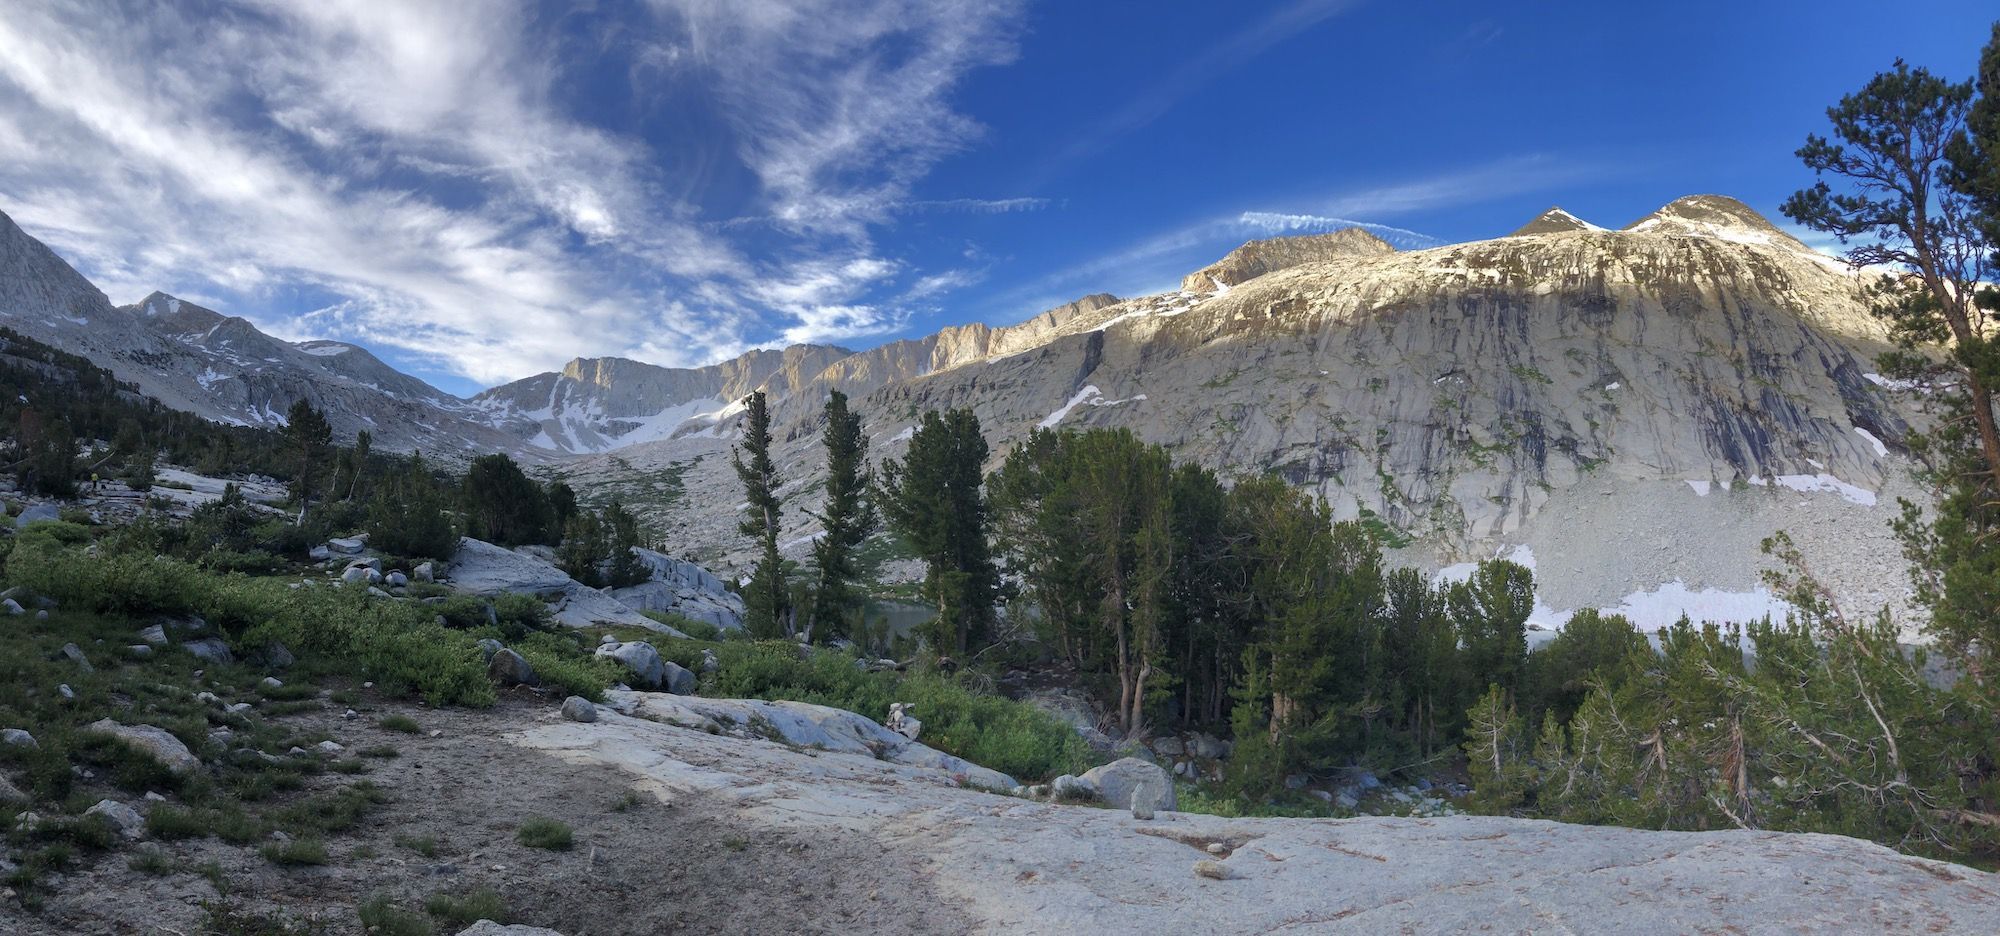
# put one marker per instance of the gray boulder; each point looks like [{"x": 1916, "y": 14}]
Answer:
[
  {"x": 352, "y": 545},
  {"x": 125, "y": 819},
  {"x": 395, "y": 580},
  {"x": 37, "y": 514},
  {"x": 319, "y": 554},
  {"x": 140, "y": 651},
  {"x": 359, "y": 574},
  {"x": 642, "y": 661},
  {"x": 511, "y": 670},
  {"x": 490, "y": 928},
  {"x": 424, "y": 572},
  {"x": 12, "y": 606},
  {"x": 11, "y": 794},
  {"x": 1208, "y": 747},
  {"x": 154, "y": 741},
  {"x": 1068, "y": 788},
  {"x": 481, "y": 568},
  {"x": 1121, "y": 782},
  {"x": 74, "y": 654},
  {"x": 210, "y": 650},
  {"x": 276, "y": 656},
  {"x": 15, "y": 737},
  {"x": 488, "y": 647},
  {"x": 155, "y": 635},
  {"x": 579, "y": 709},
  {"x": 683, "y": 588}
]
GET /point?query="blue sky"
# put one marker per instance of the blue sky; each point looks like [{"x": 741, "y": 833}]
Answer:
[{"x": 481, "y": 191}]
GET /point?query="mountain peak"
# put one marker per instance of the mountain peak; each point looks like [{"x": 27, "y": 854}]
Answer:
[
  {"x": 1258, "y": 257},
  {"x": 1555, "y": 221},
  {"x": 1716, "y": 216}
]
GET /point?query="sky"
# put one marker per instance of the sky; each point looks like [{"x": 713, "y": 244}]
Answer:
[{"x": 479, "y": 191}]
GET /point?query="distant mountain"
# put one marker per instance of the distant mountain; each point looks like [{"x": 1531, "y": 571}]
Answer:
[
  {"x": 1630, "y": 411},
  {"x": 222, "y": 367}
]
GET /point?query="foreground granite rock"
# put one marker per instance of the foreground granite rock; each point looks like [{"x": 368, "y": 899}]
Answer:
[
  {"x": 1026, "y": 867},
  {"x": 481, "y": 568}
]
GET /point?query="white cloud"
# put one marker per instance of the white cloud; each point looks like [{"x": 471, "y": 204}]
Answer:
[{"x": 417, "y": 163}]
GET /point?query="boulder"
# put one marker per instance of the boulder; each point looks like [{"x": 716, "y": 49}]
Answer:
[
  {"x": 1208, "y": 747},
  {"x": 11, "y": 794},
  {"x": 210, "y": 650},
  {"x": 680, "y": 680},
  {"x": 1122, "y": 781},
  {"x": 12, "y": 607},
  {"x": 319, "y": 554},
  {"x": 639, "y": 658},
  {"x": 481, "y": 568},
  {"x": 275, "y": 655},
  {"x": 271, "y": 682},
  {"x": 490, "y": 928},
  {"x": 511, "y": 670},
  {"x": 15, "y": 737},
  {"x": 125, "y": 819},
  {"x": 488, "y": 647},
  {"x": 74, "y": 654},
  {"x": 579, "y": 709},
  {"x": 709, "y": 664},
  {"x": 154, "y": 741},
  {"x": 37, "y": 514},
  {"x": 1169, "y": 747},
  {"x": 1069, "y": 789},
  {"x": 803, "y": 725},
  {"x": 351, "y": 545},
  {"x": 155, "y": 635},
  {"x": 683, "y": 588},
  {"x": 358, "y": 574},
  {"x": 424, "y": 572}
]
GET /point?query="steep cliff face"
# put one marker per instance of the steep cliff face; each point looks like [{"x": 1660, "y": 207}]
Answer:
[
  {"x": 1672, "y": 392},
  {"x": 598, "y": 404},
  {"x": 1259, "y": 257},
  {"x": 195, "y": 359}
]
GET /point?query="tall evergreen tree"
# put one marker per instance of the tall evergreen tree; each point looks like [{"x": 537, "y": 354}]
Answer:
[
  {"x": 1491, "y": 608},
  {"x": 848, "y": 519},
  {"x": 409, "y": 515},
  {"x": 308, "y": 436},
  {"x": 503, "y": 505},
  {"x": 766, "y": 599},
  {"x": 934, "y": 500}
]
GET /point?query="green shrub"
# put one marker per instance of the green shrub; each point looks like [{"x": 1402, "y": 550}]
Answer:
[
  {"x": 400, "y": 723},
  {"x": 699, "y": 630},
  {"x": 564, "y": 665},
  {"x": 421, "y": 844},
  {"x": 542, "y": 832},
  {"x": 469, "y": 908},
  {"x": 151, "y": 861},
  {"x": 295, "y": 853},
  {"x": 170, "y": 823},
  {"x": 381, "y": 917}
]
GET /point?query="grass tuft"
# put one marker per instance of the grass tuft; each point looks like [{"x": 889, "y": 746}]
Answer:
[{"x": 543, "y": 832}]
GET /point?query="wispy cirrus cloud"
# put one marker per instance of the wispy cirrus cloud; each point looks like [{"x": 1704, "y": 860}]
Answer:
[
  {"x": 445, "y": 180},
  {"x": 1233, "y": 51}
]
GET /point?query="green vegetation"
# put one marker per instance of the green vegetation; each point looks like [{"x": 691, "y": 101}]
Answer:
[
  {"x": 542, "y": 832},
  {"x": 934, "y": 500},
  {"x": 460, "y": 910},
  {"x": 848, "y": 519},
  {"x": 295, "y": 853},
  {"x": 403, "y": 724},
  {"x": 380, "y": 916},
  {"x": 766, "y": 597}
]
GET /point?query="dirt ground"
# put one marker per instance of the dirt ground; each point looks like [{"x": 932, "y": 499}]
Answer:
[{"x": 640, "y": 864}]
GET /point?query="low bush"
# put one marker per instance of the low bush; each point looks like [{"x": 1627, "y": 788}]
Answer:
[
  {"x": 542, "y": 832},
  {"x": 295, "y": 853},
  {"x": 469, "y": 908},
  {"x": 381, "y": 917}
]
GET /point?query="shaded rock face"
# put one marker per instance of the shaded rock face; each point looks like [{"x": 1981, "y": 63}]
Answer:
[
  {"x": 1452, "y": 395},
  {"x": 481, "y": 568},
  {"x": 683, "y": 588}
]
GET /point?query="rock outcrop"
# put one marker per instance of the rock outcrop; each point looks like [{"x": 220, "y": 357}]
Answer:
[
  {"x": 1019, "y": 866},
  {"x": 684, "y": 588},
  {"x": 153, "y": 741},
  {"x": 481, "y": 568}
]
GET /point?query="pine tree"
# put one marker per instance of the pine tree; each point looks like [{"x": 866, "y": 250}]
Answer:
[
  {"x": 624, "y": 568},
  {"x": 502, "y": 505},
  {"x": 848, "y": 519},
  {"x": 1495, "y": 753},
  {"x": 308, "y": 435},
  {"x": 767, "y": 598},
  {"x": 562, "y": 504},
  {"x": 408, "y": 514},
  {"x": 934, "y": 500},
  {"x": 586, "y": 545},
  {"x": 1492, "y": 608}
]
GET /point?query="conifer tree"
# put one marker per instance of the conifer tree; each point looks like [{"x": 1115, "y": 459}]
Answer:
[
  {"x": 308, "y": 435},
  {"x": 766, "y": 598},
  {"x": 934, "y": 499},
  {"x": 848, "y": 519}
]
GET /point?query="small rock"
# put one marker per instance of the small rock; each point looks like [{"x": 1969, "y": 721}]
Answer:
[
  {"x": 210, "y": 650},
  {"x": 350, "y": 714},
  {"x": 609, "y": 641},
  {"x": 15, "y": 737},
  {"x": 75, "y": 655},
  {"x": 511, "y": 670},
  {"x": 296, "y": 751},
  {"x": 330, "y": 747},
  {"x": 348, "y": 545},
  {"x": 437, "y": 733},
  {"x": 152, "y": 797},
  {"x": 490, "y": 928},
  {"x": 488, "y": 647},
  {"x": 579, "y": 709},
  {"x": 1213, "y": 870},
  {"x": 423, "y": 573},
  {"x": 12, "y": 606},
  {"x": 356, "y": 574},
  {"x": 272, "y": 682},
  {"x": 125, "y": 819},
  {"x": 65, "y": 691},
  {"x": 140, "y": 651},
  {"x": 1295, "y": 782},
  {"x": 319, "y": 553},
  {"x": 710, "y": 664},
  {"x": 1122, "y": 782},
  {"x": 9, "y": 793},
  {"x": 1070, "y": 788},
  {"x": 1169, "y": 747},
  {"x": 155, "y": 635},
  {"x": 238, "y": 708},
  {"x": 1217, "y": 848},
  {"x": 42, "y": 615},
  {"x": 208, "y": 698},
  {"x": 396, "y": 580},
  {"x": 1323, "y": 796},
  {"x": 276, "y": 656}
]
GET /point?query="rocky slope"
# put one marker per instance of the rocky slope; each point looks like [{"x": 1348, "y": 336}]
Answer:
[
  {"x": 1021, "y": 866},
  {"x": 1673, "y": 392},
  {"x": 222, "y": 367}
]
